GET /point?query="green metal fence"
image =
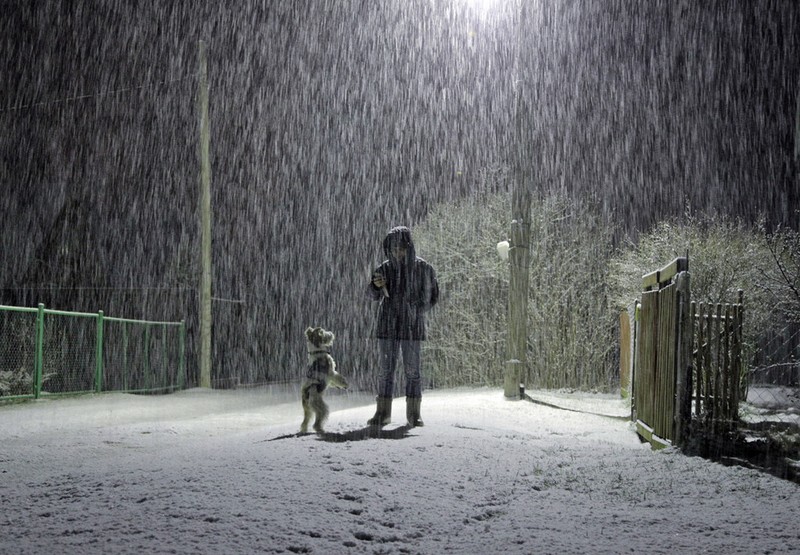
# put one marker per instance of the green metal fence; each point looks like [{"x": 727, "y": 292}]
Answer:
[{"x": 56, "y": 352}]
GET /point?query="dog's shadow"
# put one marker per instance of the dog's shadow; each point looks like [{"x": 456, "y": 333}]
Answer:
[{"x": 370, "y": 432}]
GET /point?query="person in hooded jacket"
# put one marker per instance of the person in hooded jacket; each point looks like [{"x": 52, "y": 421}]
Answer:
[{"x": 406, "y": 287}]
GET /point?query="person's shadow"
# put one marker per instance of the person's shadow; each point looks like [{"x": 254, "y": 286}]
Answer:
[{"x": 369, "y": 432}]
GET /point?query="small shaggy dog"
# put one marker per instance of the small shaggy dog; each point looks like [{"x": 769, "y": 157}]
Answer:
[{"x": 321, "y": 373}]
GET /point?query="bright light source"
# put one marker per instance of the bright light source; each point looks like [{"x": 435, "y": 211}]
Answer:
[
  {"x": 486, "y": 10},
  {"x": 483, "y": 5},
  {"x": 502, "y": 250}
]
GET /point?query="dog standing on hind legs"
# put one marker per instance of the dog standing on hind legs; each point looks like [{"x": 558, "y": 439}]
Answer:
[{"x": 321, "y": 373}]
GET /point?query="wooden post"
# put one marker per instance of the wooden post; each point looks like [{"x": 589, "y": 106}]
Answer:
[
  {"x": 637, "y": 359},
  {"x": 205, "y": 220},
  {"x": 737, "y": 354},
  {"x": 683, "y": 363},
  {"x": 726, "y": 364},
  {"x": 708, "y": 372},
  {"x": 697, "y": 314},
  {"x": 625, "y": 352},
  {"x": 797, "y": 132},
  {"x": 717, "y": 335},
  {"x": 519, "y": 257}
]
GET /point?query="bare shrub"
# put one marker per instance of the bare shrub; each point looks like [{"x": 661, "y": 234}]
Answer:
[
  {"x": 724, "y": 256},
  {"x": 570, "y": 327},
  {"x": 781, "y": 279}
]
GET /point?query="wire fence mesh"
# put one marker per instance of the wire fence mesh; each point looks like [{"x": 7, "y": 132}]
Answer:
[
  {"x": 50, "y": 352},
  {"x": 69, "y": 346},
  {"x": 773, "y": 381},
  {"x": 142, "y": 357},
  {"x": 17, "y": 352}
]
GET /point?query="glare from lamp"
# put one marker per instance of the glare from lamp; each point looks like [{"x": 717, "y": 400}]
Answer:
[
  {"x": 483, "y": 5},
  {"x": 502, "y": 250}
]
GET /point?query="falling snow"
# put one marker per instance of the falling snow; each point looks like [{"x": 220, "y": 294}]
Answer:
[{"x": 331, "y": 122}]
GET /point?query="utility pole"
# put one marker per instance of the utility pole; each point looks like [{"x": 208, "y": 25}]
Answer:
[
  {"x": 205, "y": 220},
  {"x": 519, "y": 253}
]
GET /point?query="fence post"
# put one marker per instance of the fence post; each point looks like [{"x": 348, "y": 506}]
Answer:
[
  {"x": 624, "y": 353},
  {"x": 697, "y": 328},
  {"x": 726, "y": 365},
  {"x": 717, "y": 335},
  {"x": 164, "y": 357},
  {"x": 98, "y": 363},
  {"x": 38, "y": 357},
  {"x": 683, "y": 385},
  {"x": 737, "y": 358},
  {"x": 637, "y": 307},
  {"x": 125, "y": 368},
  {"x": 182, "y": 355},
  {"x": 147, "y": 375}
]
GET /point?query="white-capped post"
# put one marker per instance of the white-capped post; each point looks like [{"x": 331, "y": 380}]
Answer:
[{"x": 519, "y": 234}]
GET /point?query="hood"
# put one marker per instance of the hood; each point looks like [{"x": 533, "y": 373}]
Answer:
[{"x": 399, "y": 235}]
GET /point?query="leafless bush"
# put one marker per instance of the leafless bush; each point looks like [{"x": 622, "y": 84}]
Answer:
[
  {"x": 570, "y": 327},
  {"x": 781, "y": 280},
  {"x": 578, "y": 286},
  {"x": 724, "y": 257}
]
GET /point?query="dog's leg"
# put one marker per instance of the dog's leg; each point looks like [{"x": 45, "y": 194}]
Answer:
[
  {"x": 321, "y": 408},
  {"x": 306, "y": 409}
]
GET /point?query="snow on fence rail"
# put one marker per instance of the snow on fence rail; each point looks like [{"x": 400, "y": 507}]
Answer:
[{"x": 45, "y": 351}]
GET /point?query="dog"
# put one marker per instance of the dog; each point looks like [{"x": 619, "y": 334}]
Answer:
[{"x": 321, "y": 373}]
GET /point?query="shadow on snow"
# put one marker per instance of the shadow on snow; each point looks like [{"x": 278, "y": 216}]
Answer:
[{"x": 369, "y": 432}]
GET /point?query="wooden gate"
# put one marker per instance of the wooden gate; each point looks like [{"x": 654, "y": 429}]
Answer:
[
  {"x": 717, "y": 355},
  {"x": 662, "y": 368}
]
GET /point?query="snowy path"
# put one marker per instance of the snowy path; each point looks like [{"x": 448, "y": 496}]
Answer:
[{"x": 195, "y": 472}]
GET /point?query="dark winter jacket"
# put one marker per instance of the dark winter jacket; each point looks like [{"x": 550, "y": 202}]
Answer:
[{"x": 412, "y": 288}]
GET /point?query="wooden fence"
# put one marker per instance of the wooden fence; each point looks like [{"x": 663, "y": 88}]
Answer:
[
  {"x": 687, "y": 360},
  {"x": 717, "y": 361},
  {"x": 662, "y": 366}
]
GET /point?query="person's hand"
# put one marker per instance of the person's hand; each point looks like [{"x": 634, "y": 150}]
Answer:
[{"x": 378, "y": 280}]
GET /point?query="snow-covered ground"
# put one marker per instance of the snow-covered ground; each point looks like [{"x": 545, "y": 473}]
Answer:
[{"x": 205, "y": 471}]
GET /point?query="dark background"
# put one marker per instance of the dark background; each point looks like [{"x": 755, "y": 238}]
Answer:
[{"x": 333, "y": 121}]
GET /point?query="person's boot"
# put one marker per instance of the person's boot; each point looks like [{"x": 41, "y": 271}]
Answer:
[
  {"x": 383, "y": 415},
  {"x": 412, "y": 411}
]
